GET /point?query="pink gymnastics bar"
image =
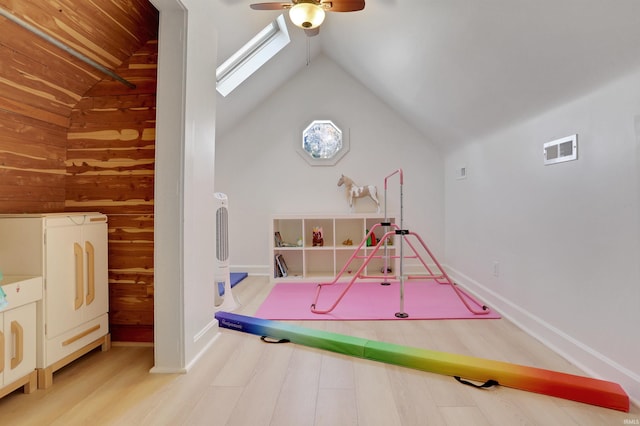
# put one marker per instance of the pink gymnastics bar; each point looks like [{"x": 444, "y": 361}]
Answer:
[{"x": 441, "y": 277}]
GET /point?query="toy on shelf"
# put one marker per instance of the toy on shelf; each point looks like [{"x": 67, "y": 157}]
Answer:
[
  {"x": 317, "y": 237},
  {"x": 371, "y": 239}
]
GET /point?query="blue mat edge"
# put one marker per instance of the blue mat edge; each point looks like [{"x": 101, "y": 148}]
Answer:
[{"x": 236, "y": 277}]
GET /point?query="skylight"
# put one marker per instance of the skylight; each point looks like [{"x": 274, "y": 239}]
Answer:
[{"x": 252, "y": 56}]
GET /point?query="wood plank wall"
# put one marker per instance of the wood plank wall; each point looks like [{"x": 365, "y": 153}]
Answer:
[
  {"x": 110, "y": 169},
  {"x": 32, "y": 168}
]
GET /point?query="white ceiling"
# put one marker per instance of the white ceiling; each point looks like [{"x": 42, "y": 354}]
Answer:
[{"x": 455, "y": 69}]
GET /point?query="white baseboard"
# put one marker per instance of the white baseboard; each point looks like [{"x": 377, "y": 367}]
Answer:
[
  {"x": 205, "y": 348},
  {"x": 211, "y": 333},
  {"x": 252, "y": 269},
  {"x": 581, "y": 355}
]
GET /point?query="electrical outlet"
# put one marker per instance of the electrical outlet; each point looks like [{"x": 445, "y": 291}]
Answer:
[{"x": 496, "y": 268}]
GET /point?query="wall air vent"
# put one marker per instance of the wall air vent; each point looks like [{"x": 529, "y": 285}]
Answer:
[{"x": 561, "y": 150}]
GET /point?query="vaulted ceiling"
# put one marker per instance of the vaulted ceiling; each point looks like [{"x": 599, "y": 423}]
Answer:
[{"x": 455, "y": 69}]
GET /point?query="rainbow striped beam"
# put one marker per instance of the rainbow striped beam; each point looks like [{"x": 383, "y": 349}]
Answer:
[{"x": 562, "y": 385}]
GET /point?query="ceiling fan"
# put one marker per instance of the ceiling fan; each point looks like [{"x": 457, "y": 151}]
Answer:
[{"x": 309, "y": 14}]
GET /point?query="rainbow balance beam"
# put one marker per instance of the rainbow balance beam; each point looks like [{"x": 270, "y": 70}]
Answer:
[{"x": 562, "y": 385}]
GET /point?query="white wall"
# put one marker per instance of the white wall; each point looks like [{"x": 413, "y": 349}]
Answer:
[
  {"x": 566, "y": 236},
  {"x": 184, "y": 236},
  {"x": 258, "y": 167}
]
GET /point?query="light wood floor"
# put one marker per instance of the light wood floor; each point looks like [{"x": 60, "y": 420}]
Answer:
[{"x": 242, "y": 381}]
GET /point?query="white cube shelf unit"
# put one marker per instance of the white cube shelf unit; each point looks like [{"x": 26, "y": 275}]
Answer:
[{"x": 306, "y": 262}]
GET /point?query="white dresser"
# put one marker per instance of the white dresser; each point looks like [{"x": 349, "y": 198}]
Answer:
[
  {"x": 69, "y": 250},
  {"x": 18, "y": 332}
]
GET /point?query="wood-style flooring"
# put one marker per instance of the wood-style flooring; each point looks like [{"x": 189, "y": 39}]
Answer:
[{"x": 243, "y": 381}]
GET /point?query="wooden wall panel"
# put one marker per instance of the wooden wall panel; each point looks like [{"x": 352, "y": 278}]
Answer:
[
  {"x": 110, "y": 168},
  {"x": 32, "y": 83},
  {"x": 131, "y": 277},
  {"x": 42, "y": 81},
  {"x": 32, "y": 165}
]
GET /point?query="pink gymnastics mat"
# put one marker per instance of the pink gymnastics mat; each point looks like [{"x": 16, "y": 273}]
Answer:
[{"x": 367, "y": 301}]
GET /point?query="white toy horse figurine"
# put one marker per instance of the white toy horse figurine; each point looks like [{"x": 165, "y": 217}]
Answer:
[{"x": 355, "y": 191}]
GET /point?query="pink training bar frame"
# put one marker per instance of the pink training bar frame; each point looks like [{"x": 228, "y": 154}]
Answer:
[{"x": 438, "y": 273}]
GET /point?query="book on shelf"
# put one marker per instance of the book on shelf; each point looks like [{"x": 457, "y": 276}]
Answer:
[
  {"x": 285, "y": 269},
  {"x": 276, "y": 270},
  {"x": 278, "y": 239},
  {"x": 280, "y": 266}
]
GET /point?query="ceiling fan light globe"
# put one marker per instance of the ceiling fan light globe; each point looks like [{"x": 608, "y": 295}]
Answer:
[{"x": 306, "y": 15}]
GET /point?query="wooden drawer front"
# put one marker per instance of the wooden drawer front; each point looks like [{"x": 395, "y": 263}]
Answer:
[
  {"x": 69, "y": 342},
  {"x": 22, "y": 291}
]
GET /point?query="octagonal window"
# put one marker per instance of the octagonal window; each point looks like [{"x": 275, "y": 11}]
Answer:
[{"x": 322, "y": 143}]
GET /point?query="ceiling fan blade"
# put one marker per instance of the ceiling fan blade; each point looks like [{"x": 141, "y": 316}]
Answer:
[
  {"x": 312, "y": 32},
  {"x": 270, "y": 6},
  {"x": 343, "y": 5}
]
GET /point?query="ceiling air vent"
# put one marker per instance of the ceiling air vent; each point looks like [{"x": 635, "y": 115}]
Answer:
[{"x": 561, "y": 150}]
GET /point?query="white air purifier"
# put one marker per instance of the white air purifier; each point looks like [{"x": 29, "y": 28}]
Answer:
[{"x": 224, "y": 298}]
